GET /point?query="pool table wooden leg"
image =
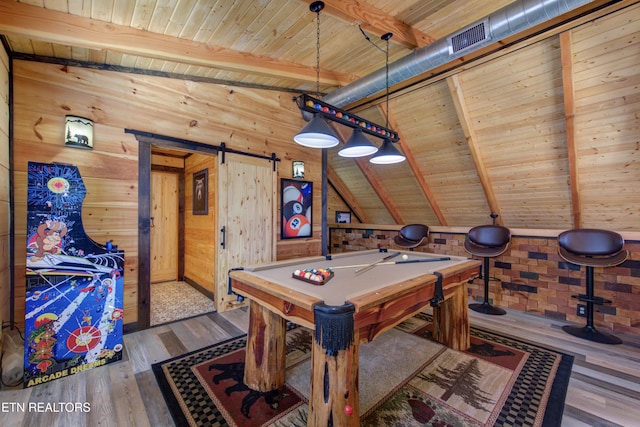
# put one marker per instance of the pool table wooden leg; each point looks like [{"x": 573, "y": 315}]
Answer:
[
  {"x": 266, "y": 349},
  {"x": 334, "y": 396},
  {"x": 451, "y": 320}
]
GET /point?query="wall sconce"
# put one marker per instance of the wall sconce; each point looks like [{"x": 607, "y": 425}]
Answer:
[
  {"x": 78, "y": 132},
  {"x": 298, "y": 169}
]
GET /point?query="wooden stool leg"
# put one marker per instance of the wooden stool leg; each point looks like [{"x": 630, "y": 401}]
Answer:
[{"x": 266, "y": 346}]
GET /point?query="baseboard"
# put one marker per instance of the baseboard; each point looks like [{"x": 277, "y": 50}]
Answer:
[{"x": 207, "y": 293}]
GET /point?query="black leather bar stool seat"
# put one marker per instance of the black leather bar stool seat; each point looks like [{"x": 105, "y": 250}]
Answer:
[
  {"x": 591, "y": 248},
  {"x": 487, "y": 241},
  {"x": 412, "y": 235}
]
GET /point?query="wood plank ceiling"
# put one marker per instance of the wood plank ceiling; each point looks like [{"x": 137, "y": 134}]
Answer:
[{"x": 537, "y": 127}]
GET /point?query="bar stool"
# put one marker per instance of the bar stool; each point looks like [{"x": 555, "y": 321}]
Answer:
[
  {"x": 487, "y": 241},
  {"x": 591, "y": 248},
  {"x": 411, "y": 236}
]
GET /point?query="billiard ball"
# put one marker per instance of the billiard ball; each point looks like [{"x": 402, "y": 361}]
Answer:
[
  {"x": 292, "y": 208},
  {"x": 298, "y": 225},
  {"x": 291, "y": 194},
  {"x": 305, "y": 189},
  {"x": 405, "y": 257}
]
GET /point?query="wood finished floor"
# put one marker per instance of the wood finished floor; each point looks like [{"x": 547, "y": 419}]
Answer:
[{"x": 604, "y": 389}]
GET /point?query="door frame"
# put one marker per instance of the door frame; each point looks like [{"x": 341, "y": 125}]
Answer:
[
  {"x": 144, "y": 216},
  {"x": 145, "y": 140}
]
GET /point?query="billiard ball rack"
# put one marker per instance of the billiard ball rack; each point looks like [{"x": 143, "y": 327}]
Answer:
[
  {"x": 316, "y": 106},
  {"x": 314, "y": 276}
]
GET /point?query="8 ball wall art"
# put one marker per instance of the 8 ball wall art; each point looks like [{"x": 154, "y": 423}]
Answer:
[{"x": 296, "y": 206}]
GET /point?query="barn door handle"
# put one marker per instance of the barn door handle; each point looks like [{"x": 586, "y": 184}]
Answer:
[
  {"x": 223, "y": 232},
  {"x": 152, "y": 224}
]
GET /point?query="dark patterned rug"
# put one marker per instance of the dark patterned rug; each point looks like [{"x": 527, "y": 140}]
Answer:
[{"x": 406, "y": 379}]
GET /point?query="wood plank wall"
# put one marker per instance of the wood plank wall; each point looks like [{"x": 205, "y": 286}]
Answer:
[
  {"x": 257, "y": 121},
  {"x": 5, "y": 272},
  {"x": 200, "y": 233}
]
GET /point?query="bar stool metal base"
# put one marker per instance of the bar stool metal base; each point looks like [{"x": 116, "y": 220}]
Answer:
[
  {"x": 590, "y": 333},
  {"x": 486, "y": 308}
]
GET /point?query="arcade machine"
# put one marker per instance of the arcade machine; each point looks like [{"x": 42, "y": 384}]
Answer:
[{"x": 74, "y": 286}]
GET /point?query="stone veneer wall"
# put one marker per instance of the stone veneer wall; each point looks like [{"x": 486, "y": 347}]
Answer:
[{"x": 533, "y": 277}]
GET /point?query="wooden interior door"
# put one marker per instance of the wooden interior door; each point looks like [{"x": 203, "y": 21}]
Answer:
[
  {"x": 247, "y": 198},
  {"x": 164, "y": 226}
]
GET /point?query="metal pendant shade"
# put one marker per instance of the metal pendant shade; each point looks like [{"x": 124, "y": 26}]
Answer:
[
  {"x": 387, "y": 154},
  {"x": 316, "y": 134},
  {"x": 358, "y": 145}
]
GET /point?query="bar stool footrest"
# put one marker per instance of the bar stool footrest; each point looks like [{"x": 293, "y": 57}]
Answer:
[{"x": 595, "y": 300}]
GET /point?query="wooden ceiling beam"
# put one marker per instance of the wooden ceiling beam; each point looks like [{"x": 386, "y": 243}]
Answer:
[
  {"x": 376, "y": 21},
  {"x": 566, "y": 57},
  {"x": 346, "y": 195},
  {"x": 453, "y": 83},
  {"x": 415, "y": 168},
  {"x": 37, "y": 23}
]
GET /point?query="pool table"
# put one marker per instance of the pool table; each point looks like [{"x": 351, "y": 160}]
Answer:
[{"x": 358, "y": 303}]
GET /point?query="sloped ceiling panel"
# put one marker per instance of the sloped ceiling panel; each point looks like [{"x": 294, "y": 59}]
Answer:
[
  {"x": 431, "y": 130},
  {"x": 367, "y": 199},
  {"x": 396, "y": 184},
  {"x": 608, "y": 120},
  {"x": 518, "y": 120},
  {"x": 406, "y": 201}
]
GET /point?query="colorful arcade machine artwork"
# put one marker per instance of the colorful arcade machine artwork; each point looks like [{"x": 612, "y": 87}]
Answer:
[{"x": 74, "y": 286}]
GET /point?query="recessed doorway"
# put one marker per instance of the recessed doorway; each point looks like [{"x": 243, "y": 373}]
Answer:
[{"x": 179, "y": 286}]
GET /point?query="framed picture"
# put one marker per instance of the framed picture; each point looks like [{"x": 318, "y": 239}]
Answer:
[
  {"x": 296, "y": 205},
  {"x": 201, "y": 192},
  {"x": 78, "y": 132},
  {"x": 298, "y": 169},
  {"x": 343, "y": 217}
]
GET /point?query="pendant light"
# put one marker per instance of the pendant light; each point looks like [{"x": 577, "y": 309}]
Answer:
[
  {"x": 317, "y": 133},
  {"x": 388, "y": 153},
  {"x": 358, "y": 145}
]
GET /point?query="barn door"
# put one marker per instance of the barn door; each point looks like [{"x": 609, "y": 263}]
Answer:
[
  {"x": 164, "y": 227},
  {"x": 246, "y": 218}
]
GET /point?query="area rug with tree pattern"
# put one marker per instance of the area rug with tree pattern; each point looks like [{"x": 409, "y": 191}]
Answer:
[{"x": 406, "y": 379}]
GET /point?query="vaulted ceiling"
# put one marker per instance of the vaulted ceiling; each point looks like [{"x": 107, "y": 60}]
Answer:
[{"x": 536, "y": 125}]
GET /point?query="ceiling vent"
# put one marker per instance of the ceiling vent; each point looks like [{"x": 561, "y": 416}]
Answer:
[{"x": 469, "y": 37}]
